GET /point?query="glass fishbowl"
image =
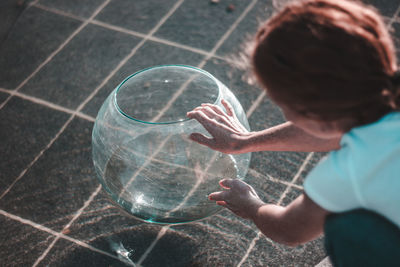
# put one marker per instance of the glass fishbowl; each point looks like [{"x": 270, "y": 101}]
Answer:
[{"x": 142, "y": 153}]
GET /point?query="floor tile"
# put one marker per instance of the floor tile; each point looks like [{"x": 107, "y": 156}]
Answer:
[
  {"x": 76, "y": 71},
  {"x": 316, "y": 158},
  {"x": 150, "y": 54},
  {"x": 76, "y": 7},
  {"x": 3, "y": 97},
  {"x": 21, "y": 244},
  {"x": 194, "y": 19},
  {"x": 66, "y": 253},
  {"x": 35, "y": 36},
  {"x": 235, "y": 79},
  {"x": 140, "y": 16},
  {"x": 60, "y": 181},
  {"x": 266, "y": 254},
  {"x": 396, "y": 38},
  {"x": 243, "y": 35},
  {"x": 195, "y": 244},
  {"x": 279, "y": 165},
  {"x": 386, "y": 7},
  {"x": 26, "y": 128},
  {"x": 105, "y": 226}
]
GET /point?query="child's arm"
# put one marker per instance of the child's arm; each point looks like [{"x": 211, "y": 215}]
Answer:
[
  {"x": 299, "y": 222},
  {"x": 229, "y": 136}
]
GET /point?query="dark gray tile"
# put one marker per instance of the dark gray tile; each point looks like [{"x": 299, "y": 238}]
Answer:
[
  {"x": 266, "y": 115},
  {"x": 3, "y": 97},
  {"x": 82, "y": 65},
  {"x": 35, "y": 35},
  {"x": 244, "y": 33},
  {"x": 386, "y": 7},
  {"x": 151, "y": 54},
  {"x": 291, "y": 195},
  {"x": 195, "y": 244},
  {"x": 105, "y": 226},
  {"x": 26, "y": 128},
  {"x": 76, "y": 7},
  {"x": 60, "y": 181},
  {"x": 396, "y": 38},
  {"x": 235, "y": 79},
  {"x": 266, "y": 253},
  {"x": 139, "y": 16},
  {"x": 317, "y": 156},
  {"x": 21, "y": 244},
  {"x": 201, "y": 24},
  {"x": 66, "y": 253},
  {"x": 10, "y": 10},
  {"x": 268, "y": 191},
  {"x": 279, "y": 165}
]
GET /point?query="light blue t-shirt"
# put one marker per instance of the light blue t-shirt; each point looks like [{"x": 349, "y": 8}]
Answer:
[{"x": 363, "y": 173}]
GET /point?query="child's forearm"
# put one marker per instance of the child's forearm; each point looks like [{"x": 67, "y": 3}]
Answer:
[
  {"x": 295, "y": 224},
  {"x": 287, "y": 137}
]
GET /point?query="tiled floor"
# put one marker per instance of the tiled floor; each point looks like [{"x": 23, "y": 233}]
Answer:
[{"x": 60, "y": 61}]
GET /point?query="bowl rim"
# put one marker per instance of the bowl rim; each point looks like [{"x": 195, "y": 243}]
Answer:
[{"x": 157, "y": 67}]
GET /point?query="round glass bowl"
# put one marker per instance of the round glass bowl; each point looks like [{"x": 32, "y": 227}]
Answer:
[{"x": 141, "y": 150}]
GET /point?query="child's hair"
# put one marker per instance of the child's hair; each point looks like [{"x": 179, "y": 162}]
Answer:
[{"x": 329, "y": 60}]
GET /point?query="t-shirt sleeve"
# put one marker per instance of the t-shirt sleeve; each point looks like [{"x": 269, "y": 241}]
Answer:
[{"x": 329, "y": 184}]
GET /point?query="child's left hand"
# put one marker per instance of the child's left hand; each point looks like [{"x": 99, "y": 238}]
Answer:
[{"x": 238, "y": 197}]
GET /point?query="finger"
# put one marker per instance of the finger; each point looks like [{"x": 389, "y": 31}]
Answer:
[
  {"x": 217, "y": 109},
  {"x": 226, "y": 183},
  {"x": 211, "y": 125},
  {"x": 228, "y": 107},
  {"x": 218, "y": 196},
  {"x": 211, "y": 112},
  {"x": 202, "y": 139}
]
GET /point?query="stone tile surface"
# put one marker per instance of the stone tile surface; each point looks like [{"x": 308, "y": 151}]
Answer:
[
  {"x": 241, "y": 38},
  {"x": 273, "y": 254},
  {"x": 76, "y": 71},
  {"x": 3, "y": 97},
  {"x": 66, "y": 253},
  {"x": 386, "y": 7},
  {"x": 59, "y": 183},
  {"x": 20, "y": 239},
  {"x": 140, "y": 16},
  {"x": 26, "y": 129},
  {"x": 150, "y": 54},
  {"x": 201, "y": 23},
  {"x": 36, "y": 34},
  {"x": 75, "y": 7}
]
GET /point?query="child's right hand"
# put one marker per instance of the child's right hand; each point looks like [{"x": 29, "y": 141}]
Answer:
[
  {"x": 238, "y": 197},
  {"x": 228, "y": 134}
]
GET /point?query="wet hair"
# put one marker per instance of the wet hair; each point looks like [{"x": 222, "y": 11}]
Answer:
[{"x": 329, "y": 60}]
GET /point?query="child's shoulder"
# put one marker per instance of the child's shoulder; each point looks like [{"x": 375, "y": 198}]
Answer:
[{"x": 386, "y": 130}]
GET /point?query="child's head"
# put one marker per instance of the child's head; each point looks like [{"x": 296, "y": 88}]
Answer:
[{"x": 328, "y": 60}]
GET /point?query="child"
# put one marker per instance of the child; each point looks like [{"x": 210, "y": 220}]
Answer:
[{"x": 330, "y": 65}]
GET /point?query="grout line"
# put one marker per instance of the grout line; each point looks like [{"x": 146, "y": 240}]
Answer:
[
  {"x": 394, "y": 18},
  {"x": 228, "y": 33},
  {"x": 77, "y": 214},
  {"x": 250, "y": 248},
  {"x": 272, "y": 179},
  {"x": 259, "y": 234},
  {"x": 37, "y": 156},
  {"x": 58, "y": 12},
  {"x": 160, "y": 234},
  {"x": 130, "y": 55},
  {"x": 297, "y": 175},
  {"x": 47, "y": 104},
  {"x": 255, "y": 104},
  {"x": 56, "y": 234},
  {"x": 52, "y": 55}
]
